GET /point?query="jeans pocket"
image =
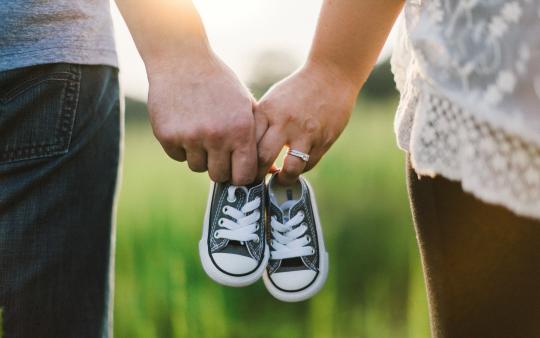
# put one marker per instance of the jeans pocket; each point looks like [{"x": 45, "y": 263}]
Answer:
[{"x": 37, "y": 111}]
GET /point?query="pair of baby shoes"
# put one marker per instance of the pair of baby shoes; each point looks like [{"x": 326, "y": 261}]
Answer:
[{"x": 268, "y": 230}]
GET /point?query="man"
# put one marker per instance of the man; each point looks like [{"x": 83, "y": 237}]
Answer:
[{"x": 60, "y": 130}]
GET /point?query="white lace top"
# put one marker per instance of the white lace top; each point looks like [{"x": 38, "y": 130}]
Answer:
[{"x": 469, "y": 76}]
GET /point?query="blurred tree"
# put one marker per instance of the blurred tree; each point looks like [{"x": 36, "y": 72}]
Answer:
[
  {"x": 136, "y": 110},
  {"x": 269, "y": 67},
  {"x": 380, "y": 84}
]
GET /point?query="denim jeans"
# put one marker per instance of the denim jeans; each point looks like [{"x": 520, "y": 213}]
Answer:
[{"x": 60, "y": 136}]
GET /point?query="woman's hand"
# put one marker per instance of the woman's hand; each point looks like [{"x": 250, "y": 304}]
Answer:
[{"x": 307, "y": 112}]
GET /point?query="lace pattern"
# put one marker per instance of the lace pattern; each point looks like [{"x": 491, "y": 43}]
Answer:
[
  {"x": 475, "y": 125},
  {"x": 492, "y": 165}
]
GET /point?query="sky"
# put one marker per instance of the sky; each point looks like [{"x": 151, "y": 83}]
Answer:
[{"x": 238, "y": 30}]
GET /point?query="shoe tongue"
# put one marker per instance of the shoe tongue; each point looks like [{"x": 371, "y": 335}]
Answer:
[
  {"x": 286, "y": 208},
  {"x": 248, "y": 189}
]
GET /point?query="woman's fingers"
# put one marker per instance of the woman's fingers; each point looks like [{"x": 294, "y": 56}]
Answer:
[
  {"x": 293, "y": 166},
  {"x": 314, "y": 158},
  {"x": 269, "y": 148}
]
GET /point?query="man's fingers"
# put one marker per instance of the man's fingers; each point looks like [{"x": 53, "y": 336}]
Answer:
[
  {"x": 293, "y": 166},
  {"x": 244, "y": 164},
  {"x": 196, "y": 159},
  {"x": 219, "y": 165},
  {"x": 176, "y": 153},
  {"x": 269, "y": 148}
]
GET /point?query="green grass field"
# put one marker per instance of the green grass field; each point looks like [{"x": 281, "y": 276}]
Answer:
[{"x": 374, "y": 288}]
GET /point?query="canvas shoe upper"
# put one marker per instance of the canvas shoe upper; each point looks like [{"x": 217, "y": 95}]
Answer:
[
  {"x": 298, "y": 260},
  {"x": 233, "y": 245}
]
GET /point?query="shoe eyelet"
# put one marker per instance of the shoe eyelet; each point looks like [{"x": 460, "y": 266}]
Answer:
[
  {"x": 257, "y": 227},
  {"x": 308, "y": 238},
  {"x": 216, "y": 234},
  {"x": 256, "y": 240},
  {"x": 221, "y": 221},
  {"x": 312, "y": 251},
  {"x": 231, "y": 200},
  {"x": 225, "y": 209}
]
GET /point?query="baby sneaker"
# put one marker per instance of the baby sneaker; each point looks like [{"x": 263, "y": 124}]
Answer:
[
  {"x": 298, "y": 264},
  {"x": 233, "y": 249}
]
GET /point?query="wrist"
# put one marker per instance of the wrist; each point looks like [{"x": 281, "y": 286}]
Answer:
[
  {"x": 177, "y": 57},
  {"x": 333, "y": 77}
]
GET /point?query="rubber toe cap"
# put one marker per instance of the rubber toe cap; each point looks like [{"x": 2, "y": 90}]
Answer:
[
  {"x": 293, "y": 280},
  {"x": 233, "y": 263}
]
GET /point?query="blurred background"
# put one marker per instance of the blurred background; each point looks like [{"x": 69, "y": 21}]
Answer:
[{"x": 375, "y": 287}]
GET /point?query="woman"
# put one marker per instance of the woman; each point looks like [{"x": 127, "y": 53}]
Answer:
[{"x": 469, "y": 76}]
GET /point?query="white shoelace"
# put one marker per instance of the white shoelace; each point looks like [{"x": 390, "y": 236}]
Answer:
[
  {"x": 288, "y": 238},
  {"x": 245, "y": 222}
]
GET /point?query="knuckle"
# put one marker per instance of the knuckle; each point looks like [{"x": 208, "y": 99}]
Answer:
[
  {"x": 311, "y": 125},
  {"x": 289, "y": 117},
  {"x": 243, "y": 126},
  {"x": 190, "y": 136},
  {"x": 166, "y": 135},
  {"x": 214, "y": 133}
]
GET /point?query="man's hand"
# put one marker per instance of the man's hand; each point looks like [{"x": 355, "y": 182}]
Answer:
[
  {"x": 200, "y": 112},
  {"x": 307, "y": 111}
]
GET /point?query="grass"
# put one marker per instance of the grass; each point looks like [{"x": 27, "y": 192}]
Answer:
[{"x": 374, "y": 289}]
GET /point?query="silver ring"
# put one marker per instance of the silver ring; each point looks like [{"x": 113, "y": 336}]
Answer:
[{"x": 297, "y": 153}]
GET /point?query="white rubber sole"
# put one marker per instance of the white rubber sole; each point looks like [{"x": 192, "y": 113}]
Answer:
[
  {"x": 211, "y": 270},
  {"x": 316, "y": 286}
]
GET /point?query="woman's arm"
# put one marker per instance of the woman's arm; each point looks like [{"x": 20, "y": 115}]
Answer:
[
  {"x": 350, "y": 35},
  {"x": 308, "y": 110}
]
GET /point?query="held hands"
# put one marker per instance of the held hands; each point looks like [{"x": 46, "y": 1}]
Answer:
[{"x": 200, "y": 112}]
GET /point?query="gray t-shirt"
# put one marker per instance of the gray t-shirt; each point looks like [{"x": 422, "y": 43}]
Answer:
[{"x": 47, "y": 31}]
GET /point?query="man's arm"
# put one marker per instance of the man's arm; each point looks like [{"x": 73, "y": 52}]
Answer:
[
  {"x": 199, "y": 110},
  {"x": 308, "y": 110}
]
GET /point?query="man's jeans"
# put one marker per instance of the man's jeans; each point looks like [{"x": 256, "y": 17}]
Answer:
[{"x": 60, "y": 135}]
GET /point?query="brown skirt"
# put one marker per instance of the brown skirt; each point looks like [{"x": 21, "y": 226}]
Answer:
[{"x": 481, "y": 262}]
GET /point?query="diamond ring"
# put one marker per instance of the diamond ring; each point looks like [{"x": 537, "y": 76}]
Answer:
[{"x": 299, "y": 154}]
